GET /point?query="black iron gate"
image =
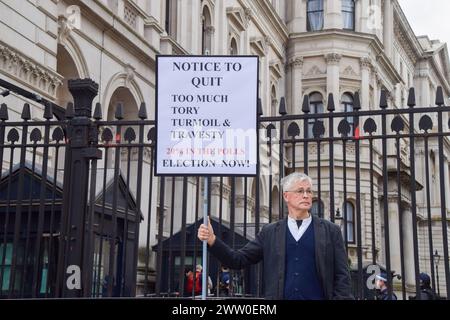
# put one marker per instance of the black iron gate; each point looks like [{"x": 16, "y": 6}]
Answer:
[{"x": 81, "y": 213}]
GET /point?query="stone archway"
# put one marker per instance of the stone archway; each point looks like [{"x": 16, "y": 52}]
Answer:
[
  {"x": 123, "y": 96},
  {"x": 65, "y": 66}
]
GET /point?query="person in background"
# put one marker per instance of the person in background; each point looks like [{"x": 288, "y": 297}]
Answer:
[
  {"x": 381, "y": 284},
  {"x": 224, "y": 285},
  {"x": 426, "y": 293}
]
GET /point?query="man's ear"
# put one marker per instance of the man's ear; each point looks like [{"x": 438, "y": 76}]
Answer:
[{"x": 284, "y": 195}]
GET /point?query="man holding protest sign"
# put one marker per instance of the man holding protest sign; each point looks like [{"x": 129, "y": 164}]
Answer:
[
  {"x": 206, "y": 119},
  {"x": 304, "y": 256}
]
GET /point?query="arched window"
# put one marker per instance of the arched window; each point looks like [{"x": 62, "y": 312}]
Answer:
[
  {"x": 347, "y": 106},
  {"x": 314, "y": 15},
  {"x": 348, "y": 14},
  {"x": 348, "y": 214},
  {"x": 274, "y": 101},
  {"x": 207, "y": 31},
  {"x": 315, "y": 106},
  {"x": 316, "y": 209},
  {"x": 233, "y": 51}
]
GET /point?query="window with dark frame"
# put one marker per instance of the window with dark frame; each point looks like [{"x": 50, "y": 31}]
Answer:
[
  {"x": 348, "y": 14},
  {"x": 170, "y": 17},
  {"x": 314, "y": 15},
  {"x": 206, "y": 31},
  {"x": 233, "y": 47},
  {"x": 317, "y": 208},
  {"x": 348, "y": 213}
]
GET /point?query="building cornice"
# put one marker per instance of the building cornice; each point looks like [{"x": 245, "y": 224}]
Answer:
[
  {"x": 238, "y": 17},
  {"x": 407, "y": 36},
  {"x": 277, "y": 24},
  {"x": 349, "y": 36},
  {"x": 439, "y": 72},
  {"x": 275, "y": 28},
  {"x": 106, "y": 20},
  {"x": 178, "y": 49},
  {"x": 29, "y": 72}
]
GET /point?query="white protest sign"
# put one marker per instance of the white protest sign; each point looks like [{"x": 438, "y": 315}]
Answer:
[{"x": 206, "y": 115}]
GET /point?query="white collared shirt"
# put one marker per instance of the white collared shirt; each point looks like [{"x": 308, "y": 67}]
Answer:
[{"x": 297, "y": 232}]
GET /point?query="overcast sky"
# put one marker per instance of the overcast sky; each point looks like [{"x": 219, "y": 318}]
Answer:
[{"x": 429, "y": 17}]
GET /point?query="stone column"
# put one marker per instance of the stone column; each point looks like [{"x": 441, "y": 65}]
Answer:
[
  {"x": 296, "y": 66},
  {"x": 154, "y": 9},
  {"x": 215, "y": 199},
  {"x": 408, "y": 249},
  {"x": 362, "y": 16},
  {"x": 424, "y": 86},
  {"x": 296, "y": 16},
  {"x": 120, "y": 8},
  {"x": 366, "y": 65},
  {"x": 376, "y": 83},
  {"x": 194, "y": 25},
  {"x": 398, "y": 96},
  {"x": 210, "y": 30},
  {"x": 388, "y": 28},
  {"x": 447, "y": 181},
  {"x": 358, "y": 16},
  {"x": 333, "y": 14},
  {"x": 265, "y": 80},
  {"x": 181, "y": 26},
  {"x": 246, "y": 42},
  {"x": 333, "y": 60},
  {"x": 394, "y": 234}
]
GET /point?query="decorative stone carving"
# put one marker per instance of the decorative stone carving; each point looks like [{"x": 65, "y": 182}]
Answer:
[
  {"x": 248, "y": 15},
  {"x": 296, "y": 62},
  {"x": 422, "y": 73},
  {"x": 275, "y": 68},
  {"x": 333, "y": 58},
  {"x": 215, "y": 189},
  {"x": 404, "y": 42},
  {"x": 239, "y": 17},
  {"x": 315, "y": 71},
  {"x": 260, "y": 45},
  {"x": 210, "y": 30},
  {"x": 64, "y": 30},
  {"x": 26, "y": 70},
  {"x": 349, "y": 72},
  {"x": 130, "y": 15},
  {"x": 268, "y": 43},
  {"x": 365, "y": 63},
  {"x": 129, "y": 71},
  {"x": 378, "y": 79},
  {"x": 264, "y": 211}
]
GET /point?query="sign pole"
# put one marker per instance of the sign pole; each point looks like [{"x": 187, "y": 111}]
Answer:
[
  {"x": 205, "y": 244},
  {"x": 201, "y": 126}
]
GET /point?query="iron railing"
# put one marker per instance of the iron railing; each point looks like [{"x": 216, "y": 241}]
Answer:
[{"x": 81, "y": 213}]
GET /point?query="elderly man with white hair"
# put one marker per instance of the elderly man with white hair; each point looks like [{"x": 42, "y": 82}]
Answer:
[{"x": 303, "y": 255}]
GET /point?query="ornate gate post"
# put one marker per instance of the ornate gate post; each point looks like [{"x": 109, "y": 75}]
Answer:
[{"x": 76, "y": 178}]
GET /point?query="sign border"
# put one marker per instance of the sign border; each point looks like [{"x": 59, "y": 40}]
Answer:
[{"x": 156, "y": 173}]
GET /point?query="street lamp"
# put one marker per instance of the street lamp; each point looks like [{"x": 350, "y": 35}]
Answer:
[{"x": 436, "y": 259}]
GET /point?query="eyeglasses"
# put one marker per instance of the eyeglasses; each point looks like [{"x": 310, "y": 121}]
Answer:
[{"x": 308, "y": 192}]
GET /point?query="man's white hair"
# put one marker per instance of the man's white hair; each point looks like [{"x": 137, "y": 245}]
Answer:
[{"x": 288, "y": 182}]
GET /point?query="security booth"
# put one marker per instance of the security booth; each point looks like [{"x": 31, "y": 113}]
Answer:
[
  {"x": 32, "y": 242},
  {"x": 243, "y": 282}
]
